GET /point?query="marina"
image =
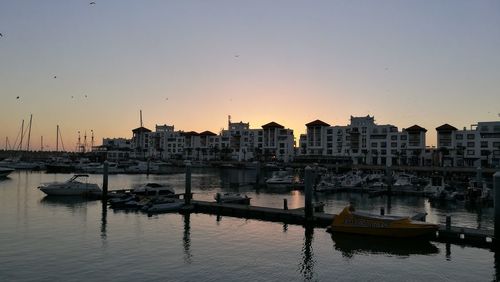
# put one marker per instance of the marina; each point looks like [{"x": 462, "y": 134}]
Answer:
[{"x": 176, "y": 241}]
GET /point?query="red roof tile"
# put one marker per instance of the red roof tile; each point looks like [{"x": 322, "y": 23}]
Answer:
[
  {"x": 272, "y": 125},
  {"x": 207, "y": 133},
  {"x": 445, "y": 127},
  {"x": 317, "y": 123},
  {"x": 141, "y": 129},
  {"x": 416, "y": 128}
]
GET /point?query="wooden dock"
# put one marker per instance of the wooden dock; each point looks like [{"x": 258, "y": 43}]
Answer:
[{"x": 452, "y": 234}]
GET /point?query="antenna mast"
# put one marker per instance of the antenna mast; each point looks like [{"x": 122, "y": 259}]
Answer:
[{"x": 140, "y": 113}]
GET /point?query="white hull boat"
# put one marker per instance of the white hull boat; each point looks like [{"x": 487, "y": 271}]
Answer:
[
  {"x": 72, "y": 187},
  {"x": 154, "y": 189}
]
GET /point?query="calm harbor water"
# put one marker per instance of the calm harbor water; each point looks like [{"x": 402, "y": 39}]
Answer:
[{"x": 53, "y": 239}]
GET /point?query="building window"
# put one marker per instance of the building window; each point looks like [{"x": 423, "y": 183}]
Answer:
[
  {"x": 403, "y": 137},
  {"x": 470, "y": 144},
  {"x": 470, "y": 136},
  {"x": 394, "y": 137},
  {"x": 374, "y": 145},
  {"x": 363, "y": 130},
  {"x": 470, "y": 152},
  {"x": 484, "y": 144},
  {"x": 383, "y": 145},
  {"x": 459, "y": 137},
  {"x": 329, "y": 131},
  {"x": 394, "y": 144}
]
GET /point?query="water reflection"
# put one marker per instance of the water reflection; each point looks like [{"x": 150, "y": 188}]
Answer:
[
  {"x": 186, "y": 238},
  {"x": 351, "y": 244},
  {"x": 306, "y": 266},
  {"x": 66, "y": 201},
  {"x": 104, "y": 219},
  {"x": 496, "y": 257}
]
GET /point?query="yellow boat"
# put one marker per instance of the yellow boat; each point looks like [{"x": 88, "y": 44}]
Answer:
[{"x": 350, "y": 221}]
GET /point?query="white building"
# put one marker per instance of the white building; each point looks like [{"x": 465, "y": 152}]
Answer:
[
  {"x": 364, "y": 142},
  {"x": 477, "y": 146}
]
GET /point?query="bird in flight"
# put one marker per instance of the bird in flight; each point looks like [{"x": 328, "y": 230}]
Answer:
[
  {"x": 1, "y": 35},
  {"x": 92, "y": 3},
  {"x": 18, "y": 99},
  {"x": 55, "y": 76},
  {"x": 236, "y": 56}
]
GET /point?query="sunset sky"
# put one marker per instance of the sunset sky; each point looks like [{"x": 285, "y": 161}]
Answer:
[{"x": 193, "y": 63}]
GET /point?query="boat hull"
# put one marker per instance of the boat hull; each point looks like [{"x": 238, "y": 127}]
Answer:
[
  {"x": 70, "y": 192},
  {"x": 389, "y": 226}
]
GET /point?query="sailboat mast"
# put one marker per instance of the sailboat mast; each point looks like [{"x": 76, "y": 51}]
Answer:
[
  {"x": 29, "y": 134},
  {"x": 41, "y": 143},
  {"x": 92, "y": 140},
  {"x": 57, "y": 139},
  {"x": 140, "y": 113},
  {"x": 22, "y": 135}
]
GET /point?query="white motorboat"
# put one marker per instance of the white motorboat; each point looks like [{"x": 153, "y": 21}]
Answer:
[
  {"x": 435, "y": 186},
  {"x": 235, "y": 198},
  {"x": 352, "y": 180},
  {"x": 404, "y": 181},
  {"x": 154, "y": 189},
  {"x": 143, "y": 167},
  {"x": 72, "y": 187},
  {"x": 4, "y": 171},
  {"x": 281, "y": 178},
  {"x": 326, "y": 186}
]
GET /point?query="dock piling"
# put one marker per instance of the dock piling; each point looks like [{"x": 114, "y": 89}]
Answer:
[
  {"x": 187, "y": 193},
  {"x": 105, "y": 181},
  {"x": 285, "y": 204},
  {"x": 382, "y": 211},
  {"x": 448, "y": 223},
  {"x": 309, "y": 178},
  {"x": 496, "y": 203}
]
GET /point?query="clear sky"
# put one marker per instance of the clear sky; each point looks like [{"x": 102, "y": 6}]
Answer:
[{"x": 192, "y": 63}]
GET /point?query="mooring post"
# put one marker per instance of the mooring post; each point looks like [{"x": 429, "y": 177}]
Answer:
[
  {"x": 382, "y": 211},
  {"x": 448, "y": 222},
  {"x": 309, "y": 178},
  {"x": 285, "y": 204},
  {"x": 496, "y": 203},
  {"x": 147, "y": 166},
  {"x": 105, "y": 181},
  {"x": 217, "y": 198},
  {"x": 187, "y": 192}
]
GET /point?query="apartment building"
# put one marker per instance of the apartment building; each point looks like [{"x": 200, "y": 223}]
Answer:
[
  {"x": 365, "y": 142},
  {"x": 474, "y": 147}
]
